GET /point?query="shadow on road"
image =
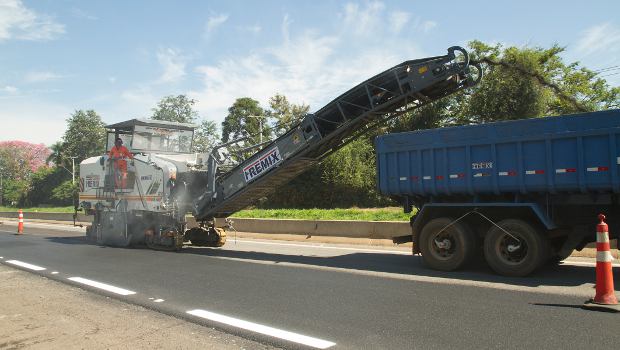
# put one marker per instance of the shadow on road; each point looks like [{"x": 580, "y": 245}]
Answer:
[
  {"x": 68, "y": 240},
  {"x": 551, "y": 275}
]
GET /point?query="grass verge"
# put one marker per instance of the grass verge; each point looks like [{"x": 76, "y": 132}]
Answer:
[
  {"x": 369, "y": 214},
  {"x": 39, "y": 210}
]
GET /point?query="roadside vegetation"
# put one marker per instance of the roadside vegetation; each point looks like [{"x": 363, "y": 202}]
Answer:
[
  {"x": 370, "y": 214},
  {"x": 39, "y": 210},
  {"x": 365, "y": 214}
]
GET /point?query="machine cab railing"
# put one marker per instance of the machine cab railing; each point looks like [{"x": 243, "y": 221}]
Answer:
[{"x": 140, "y": 136}]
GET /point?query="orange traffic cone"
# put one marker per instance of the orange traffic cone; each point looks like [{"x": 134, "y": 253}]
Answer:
[
  {"x": 605, "y": 296},
  {"x": 20, "y": 224}
]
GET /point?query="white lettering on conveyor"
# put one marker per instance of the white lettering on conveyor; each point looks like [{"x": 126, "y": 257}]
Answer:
[
  {"x": 264, "y": 163},
  {"x": 266, "y": 330}
]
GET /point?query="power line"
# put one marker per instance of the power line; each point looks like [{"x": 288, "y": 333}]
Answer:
[
  {"x": 607, "y": 69},
  {"x": 609, "y": 75}
]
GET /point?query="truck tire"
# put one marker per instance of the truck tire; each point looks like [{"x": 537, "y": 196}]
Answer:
[
  {"x": 445, "y": 245},
  {"x": 509, "y": 257}
]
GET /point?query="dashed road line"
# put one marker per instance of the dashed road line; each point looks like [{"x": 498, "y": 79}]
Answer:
[
  {"x": 26, "y": 265},
  {"x": 100, "y": 285},
  {"x": 158, "y": 300},
  {"x": 262, "y": 329},
  {"x": 54, "y": 272}
]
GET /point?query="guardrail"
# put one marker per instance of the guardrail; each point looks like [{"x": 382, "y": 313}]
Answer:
[{"x": 330, "y": 228}]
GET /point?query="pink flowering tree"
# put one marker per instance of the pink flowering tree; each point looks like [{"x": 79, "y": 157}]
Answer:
[{"x": 19, "y": 159}]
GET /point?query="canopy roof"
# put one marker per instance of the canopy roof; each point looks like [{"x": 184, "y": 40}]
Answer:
[{"x": 129, "y": 124}]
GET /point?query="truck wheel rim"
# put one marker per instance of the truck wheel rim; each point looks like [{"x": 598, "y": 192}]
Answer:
[
  {"x": 443, "y": 253},
  {"x": 505, "y": 255}
]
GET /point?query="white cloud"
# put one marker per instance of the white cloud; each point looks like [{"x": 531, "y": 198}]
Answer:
[
  {"x": 81, "y": 14},
  {"x": 8, "y": 89},
  {"x": 306, "y": 68},
  {"x": 363, "y": 20},
  {"x": 255, "y": 29},
  {"x": 173, "y": 64},
  {"x": 428, "y": 26},
  {"x": 19, "y": 22},
  {"x": 598, "y": 38},
  {"x": 213, "y": 22},
  {"x": 398, "y": 19},
  {"x": 286, "y": 22},
  {"x": 40, "y": 76},
  {"x": 44, "y": 122}
]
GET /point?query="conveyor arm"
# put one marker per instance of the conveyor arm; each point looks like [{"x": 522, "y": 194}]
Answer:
[{"x": 393, "y": 92}]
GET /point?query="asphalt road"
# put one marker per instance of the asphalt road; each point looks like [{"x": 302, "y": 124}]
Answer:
[{"x": 297, "y": 295}]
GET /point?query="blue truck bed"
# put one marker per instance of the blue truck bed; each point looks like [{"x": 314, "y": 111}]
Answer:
[{"x": 577, "y": 153}]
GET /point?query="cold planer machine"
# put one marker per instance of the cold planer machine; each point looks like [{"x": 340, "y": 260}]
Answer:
[{"x": 166, "y": 181}]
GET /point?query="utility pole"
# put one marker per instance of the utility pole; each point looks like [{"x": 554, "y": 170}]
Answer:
[
  {"x": 1, "y": 186},
  {"x": 72, "y": 169},
  {"x": 260, "y": 125}
]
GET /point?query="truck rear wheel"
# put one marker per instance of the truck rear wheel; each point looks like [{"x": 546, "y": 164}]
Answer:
[
  {"x": 445, "y": 245},
  {"x": 515, "y": 257}
]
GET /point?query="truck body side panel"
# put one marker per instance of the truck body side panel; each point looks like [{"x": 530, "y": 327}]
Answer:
[{"x": 568, "y": 154}]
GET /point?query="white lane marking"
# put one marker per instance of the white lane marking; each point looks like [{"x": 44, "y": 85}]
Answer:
[
  {"x": 327, "y": 247},
  {"x": 26, "y": 265},
  {"x": 158, "y": 300},
  {"x": 100, "y": 285},
  {"x": 262, "y": 329},
  {"x": 151, "y": 298},
  {"x": 54, "y": 272},
  {"x": 584, "y": 263},
  {"x": 1, "y": 257}
]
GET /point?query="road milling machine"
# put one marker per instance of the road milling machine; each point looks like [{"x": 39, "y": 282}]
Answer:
[{"x": 146, "y": 201}]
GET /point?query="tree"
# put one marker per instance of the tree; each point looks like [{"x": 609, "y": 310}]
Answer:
[
  {"x": 56, "y": 156},
  {"x": 65, "y": 193},
  {"x": 243, "y": 120},
  {"x": 43, "y": 183},
  {"x": 205, "y": 136},
  {"x": 178, "y": 109},
  {"x": 84, "y": 137},
  {"x": 19, "y": 159},
  {"x": 285, "y": 113},
  {"x": 530, "y": 82}
]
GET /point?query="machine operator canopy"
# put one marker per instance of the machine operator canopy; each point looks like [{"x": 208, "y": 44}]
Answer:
[{"x": 152, "y": 136}]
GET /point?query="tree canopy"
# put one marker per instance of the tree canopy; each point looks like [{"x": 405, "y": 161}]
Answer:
[
  {"x": 85, "y": 137},
  {"x": 178, "y": 109}
]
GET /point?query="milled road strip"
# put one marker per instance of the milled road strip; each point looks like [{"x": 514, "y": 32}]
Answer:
[
  {"x": 508, "y": 285},
  {"x": 398, "y": 252},
  {"x": 26, "y": 265},
  {"x": 262, "y": 329},
  {"x": 100, "y": 285}
]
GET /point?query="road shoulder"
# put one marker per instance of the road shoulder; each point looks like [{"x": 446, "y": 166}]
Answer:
[{"x": 40, "y": 313}]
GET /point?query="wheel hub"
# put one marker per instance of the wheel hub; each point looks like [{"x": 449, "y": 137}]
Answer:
[{"x": 512, "y": 251}]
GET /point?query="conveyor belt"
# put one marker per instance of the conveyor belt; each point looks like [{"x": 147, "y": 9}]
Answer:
[{"x": 393, "y": 92}]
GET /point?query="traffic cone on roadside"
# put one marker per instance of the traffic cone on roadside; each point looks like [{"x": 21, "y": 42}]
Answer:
[
  {"x": 605, "y": 297},
  {"x": 20, "y": 223}
]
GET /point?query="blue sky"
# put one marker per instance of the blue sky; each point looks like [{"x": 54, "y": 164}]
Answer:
[{"x": 120, "y": 57}]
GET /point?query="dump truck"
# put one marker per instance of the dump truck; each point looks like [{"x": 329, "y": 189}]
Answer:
[
  {"x": 140, "y": 196},
  {"x": 522, "y": 193}
]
